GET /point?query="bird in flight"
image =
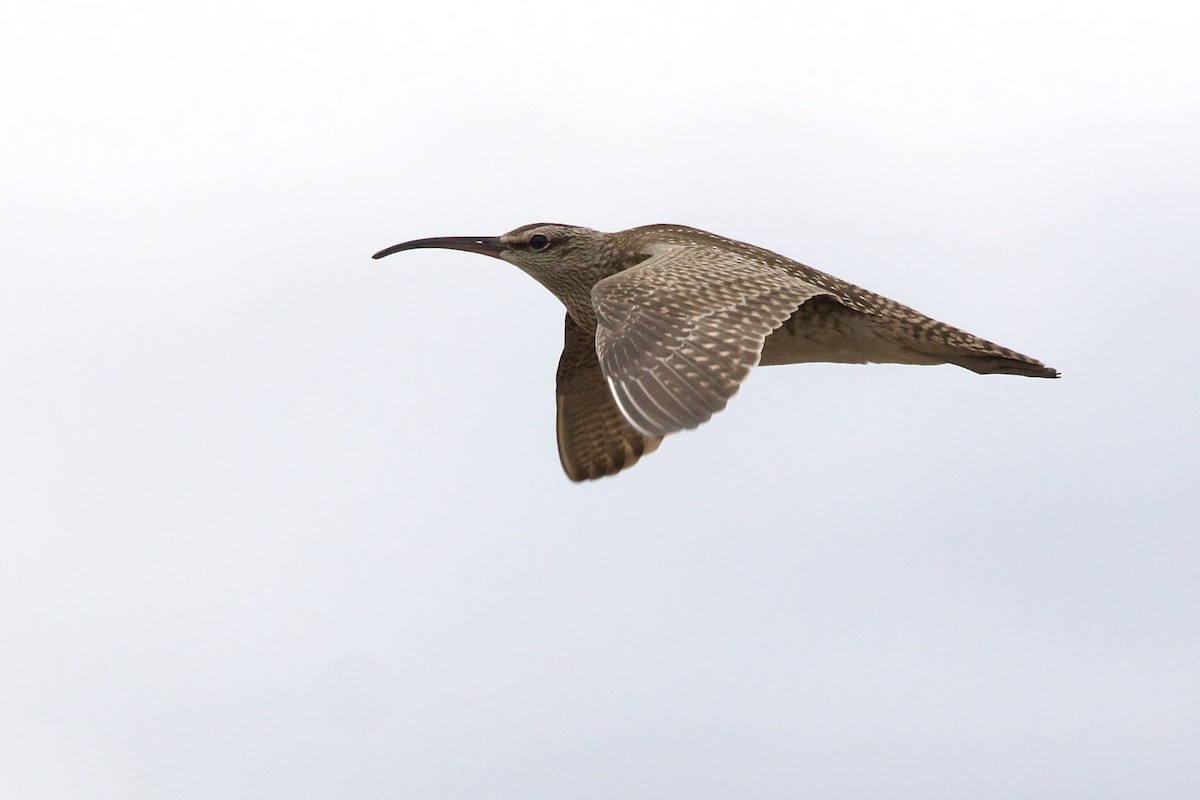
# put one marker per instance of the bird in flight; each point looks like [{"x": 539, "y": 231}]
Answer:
[{"x": 664, "y": 322}]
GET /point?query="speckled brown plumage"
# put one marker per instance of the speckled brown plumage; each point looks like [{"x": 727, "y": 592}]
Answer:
[
  {"x": 594, "y": 440},
  {"x": 664, "y": 322}
]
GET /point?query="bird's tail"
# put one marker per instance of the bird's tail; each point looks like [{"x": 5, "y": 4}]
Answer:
[{"x": 995, "y": 364}]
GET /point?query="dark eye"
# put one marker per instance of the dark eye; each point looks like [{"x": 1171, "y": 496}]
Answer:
[{"x": 538, "y": 242}]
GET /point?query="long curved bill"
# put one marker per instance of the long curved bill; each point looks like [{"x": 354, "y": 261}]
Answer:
[{"x": 484, "y": 245}]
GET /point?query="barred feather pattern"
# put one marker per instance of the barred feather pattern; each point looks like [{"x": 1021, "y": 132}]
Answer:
[
  {"x": 678, "y": 333},
  {"x": 925, "y": 339},
  {"x": 594, "y": 440}
]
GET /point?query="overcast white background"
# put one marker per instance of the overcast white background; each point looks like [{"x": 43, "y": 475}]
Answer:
[{"x": 282, "y": 521}]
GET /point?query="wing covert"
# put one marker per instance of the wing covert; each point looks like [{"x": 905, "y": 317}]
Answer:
[{"x": 678, "y": 333}]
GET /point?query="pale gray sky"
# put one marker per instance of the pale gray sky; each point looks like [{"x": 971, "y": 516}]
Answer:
[{"x": 281, "y": 521}]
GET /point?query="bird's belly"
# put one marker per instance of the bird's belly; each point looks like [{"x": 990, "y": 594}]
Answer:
[{"x": 824, "y": 330}]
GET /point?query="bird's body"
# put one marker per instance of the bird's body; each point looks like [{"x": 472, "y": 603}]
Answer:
[{"x": 665, "y": 321}]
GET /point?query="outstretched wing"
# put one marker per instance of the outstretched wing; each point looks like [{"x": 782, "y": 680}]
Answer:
[
  {"x": 594, "y": 440},
  {"x": 678, "y": 333}
]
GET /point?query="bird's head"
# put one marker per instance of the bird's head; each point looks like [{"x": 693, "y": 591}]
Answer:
[{"x": 564, "y": 258}]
